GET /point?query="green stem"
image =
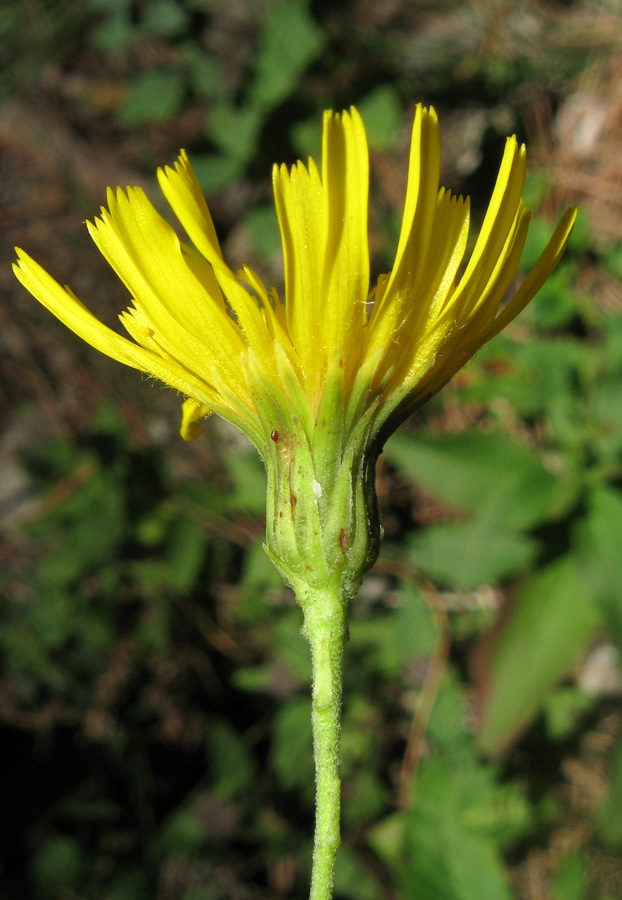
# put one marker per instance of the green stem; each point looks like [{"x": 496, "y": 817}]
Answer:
[{"x": 325, "y": 628}]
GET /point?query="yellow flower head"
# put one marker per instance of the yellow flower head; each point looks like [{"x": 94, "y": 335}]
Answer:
[
  {"x": 319, "y": 378},
  {"x": 209, "y": 333}
]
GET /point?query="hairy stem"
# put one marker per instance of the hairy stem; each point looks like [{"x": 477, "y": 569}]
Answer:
[{"x": 325, "y": 628}]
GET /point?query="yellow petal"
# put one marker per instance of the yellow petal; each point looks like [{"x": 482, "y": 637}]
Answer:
[
  {"x": 345, "y": 174},
  {"x": 147, "y": 255},
  {"x": 499, "y": 219},
  {"x": 448, "y": 243},
  {"x": 420, "y": 206},
  {"x": 271, "y": 308},
  {"x": 191, "y": 413},
  {"x": 455, "y": 353},
  {"x": 182, "y": 190},
  {"x": 300, "y": 203},
  {"x": 72, "y": 313},
  {"x": 413, "y": 280},
  {"x": 546, "y": 264},
  {"x": 485, "y": 309}
]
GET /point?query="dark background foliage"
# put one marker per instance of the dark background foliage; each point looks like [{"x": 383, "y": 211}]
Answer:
[{"x": 154, "y": 687}]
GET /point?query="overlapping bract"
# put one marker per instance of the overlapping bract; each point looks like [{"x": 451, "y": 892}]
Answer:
[{"x": 207, "y": 332}]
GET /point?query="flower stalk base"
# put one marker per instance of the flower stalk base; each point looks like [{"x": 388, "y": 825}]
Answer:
[{"x": 326, "y": 630}]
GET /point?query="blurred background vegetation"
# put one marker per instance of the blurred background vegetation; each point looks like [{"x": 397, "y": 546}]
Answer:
[{"x": 154, "y": 687}]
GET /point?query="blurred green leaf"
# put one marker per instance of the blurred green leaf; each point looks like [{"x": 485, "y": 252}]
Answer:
[
  {"x": 182, "y": 832},
  {"x": 131, "y": 884},
  {"x": 365, "y": 799},
  {"x": 154, "y": 96},
  {"x": 543, "y": 376},
  {"x": 613, "y": 260},
  {"x": 446, "y": 727},
  {"x": 359, "y": 733},
  {"x": 154, "y": 630},
  {"x": 234, "y": 130},
  {"x": 485, "y": 473},
  {"x": 231, "y": 764},
  {"x": 57, "y": 868},
  {"x": 444, "y": 857},
  {"x": 214, "y": 171},
  {"x": 185, "y": 553},
  {"x": 109, "y": 6},
  {"x": 116, "y": 34},
  {"x": 543, "y": 636},
  {"x": 205, "y": 73},
  {"x": 354, "y": 880},
  {"x": 387, "y": 641},
  {"x": 569, "y": 881},
  {"x": 52, "y": 618},
  {"x": 255, "y": 679},
  {"x": 608, "y": 818},
  {"x": 306, "y": 138},
  {"x": 260, "y": 580},
  {"x": 563, "y": 709},
  {"x": 290, "y": 648},
  {"x": 84, "y": 531},
  {"x": 289, "y": 42},
  {"x": 166, "y": 18},
  {"x": 383, "y": 115},
  {"x": 468, "y": 554},
  {"x": 599, "y": 538},
  {"x": 263, "y": 230},
  {"x": 249, "y": 482},
  {"x": 555, "y": 304},
  {"x": 291, "y": 755}
]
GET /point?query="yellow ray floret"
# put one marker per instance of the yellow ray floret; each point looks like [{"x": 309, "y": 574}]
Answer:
[{"x": 207, "y": 331}]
